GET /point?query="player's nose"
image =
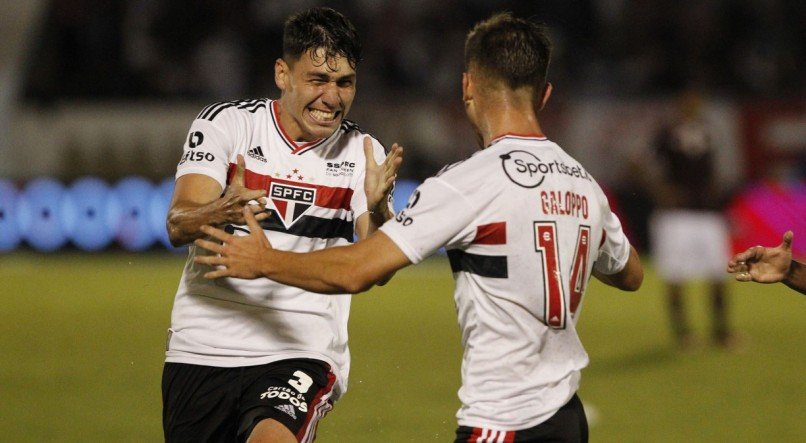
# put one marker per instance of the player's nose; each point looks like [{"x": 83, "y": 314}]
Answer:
[{"x": 330, "y": 96}]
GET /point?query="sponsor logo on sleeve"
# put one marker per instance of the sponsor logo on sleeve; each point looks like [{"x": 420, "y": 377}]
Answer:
[
  {"x": 196, "y": 156},
  {"x": 195, "y": 139},
  {"x": 403, "y": 218}
]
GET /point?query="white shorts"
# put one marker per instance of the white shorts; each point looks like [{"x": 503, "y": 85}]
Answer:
[{"x": 689, "y": 245}]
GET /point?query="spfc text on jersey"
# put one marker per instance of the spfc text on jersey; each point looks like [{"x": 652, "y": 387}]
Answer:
[
  {"x": 291, "y": 201},
  {"x": 295, "y": 193}
]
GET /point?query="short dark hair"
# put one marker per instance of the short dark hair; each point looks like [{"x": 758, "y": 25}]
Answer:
[
  {"x": 510, "y": 49},
  {"x": 323, "y": 28}
]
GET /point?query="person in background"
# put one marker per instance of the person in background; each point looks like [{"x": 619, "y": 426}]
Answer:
[{"x": 688, "y": 231}]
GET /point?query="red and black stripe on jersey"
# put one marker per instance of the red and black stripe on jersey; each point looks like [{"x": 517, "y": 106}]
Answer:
[
  {"x": 307, "y": 225},
  {"x": 491, "y": 266},
  {"x": 311, "y": 227},
  {"x": 211, "y": 111}
]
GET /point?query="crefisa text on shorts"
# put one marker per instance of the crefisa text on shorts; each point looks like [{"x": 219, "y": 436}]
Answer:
[{"x": 286, "y": 394}]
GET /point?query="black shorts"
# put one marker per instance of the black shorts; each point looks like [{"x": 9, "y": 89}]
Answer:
[
  {"x": 568, "y": 425},
  {"x": 212, "y": 404}
]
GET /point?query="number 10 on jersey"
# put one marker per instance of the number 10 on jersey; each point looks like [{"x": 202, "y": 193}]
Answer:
[{"x": 553, "y": 289}]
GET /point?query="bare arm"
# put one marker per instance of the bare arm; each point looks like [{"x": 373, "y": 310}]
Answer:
[
  {"x": 770, "y": 265},
  {"x": 629, "y": 278},
  {"x": 339, "y": 270},
  {"x": 197, "y": 200}
]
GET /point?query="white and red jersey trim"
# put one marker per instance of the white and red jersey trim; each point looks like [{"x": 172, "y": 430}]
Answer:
[{"x": 295, "y": 146}]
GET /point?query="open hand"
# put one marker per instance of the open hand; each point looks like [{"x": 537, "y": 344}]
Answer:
[
  {"x": 379, "y": 179},
  {"x": 763, "y": 265},
  {"x": 237, "y": 256}
]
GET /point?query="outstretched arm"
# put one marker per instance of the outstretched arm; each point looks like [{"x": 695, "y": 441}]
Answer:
[
  {"x": 197, "y": 200},
  {"x": 339, "y": 270},
  {"x": 770, "y": 265}
]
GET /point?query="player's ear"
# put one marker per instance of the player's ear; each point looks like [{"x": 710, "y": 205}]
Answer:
[
  {"x": 545, "y": 94},
  {"x": 281, "y": 73},
  {"x": 467, "y": 93}
]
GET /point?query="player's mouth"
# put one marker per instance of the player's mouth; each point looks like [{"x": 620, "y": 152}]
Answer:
[{"x": 326, "y": 118}]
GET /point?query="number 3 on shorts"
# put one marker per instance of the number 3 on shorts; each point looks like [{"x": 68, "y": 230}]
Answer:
[{"x": 302, "y": 382}]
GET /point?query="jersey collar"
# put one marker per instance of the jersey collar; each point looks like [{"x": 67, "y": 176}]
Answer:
[
  {"x": 296, "y": 147},
  {"x": 534, "y": 137}
]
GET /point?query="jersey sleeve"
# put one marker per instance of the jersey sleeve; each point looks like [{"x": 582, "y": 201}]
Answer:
[
  {"x": 615, "y": 249},
  {"x": 207, "y": 150},
  {"x": 359, "y": 199},
  {"x": 436, "y": 215}
]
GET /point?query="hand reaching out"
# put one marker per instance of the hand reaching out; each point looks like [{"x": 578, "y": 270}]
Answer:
[
  {"x": 237, "y": 196},
  {"x": 197, "y": 201},
  {"x": 763, "y": 265},
  {"x": 379, "y": 179},
  {"x": 240, "y": 256}
]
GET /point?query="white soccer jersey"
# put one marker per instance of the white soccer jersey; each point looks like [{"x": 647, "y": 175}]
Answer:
[
  {"x": 524, "y": 225},
  {"x": 315, "y": 192}
]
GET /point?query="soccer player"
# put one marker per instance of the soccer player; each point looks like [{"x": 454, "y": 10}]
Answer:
[
  {"x": 258, "y": 360},
  {"x": 689, "y": 233},
  {"x": 770, "y": 265},
  {"x": 525, "y": 226}
]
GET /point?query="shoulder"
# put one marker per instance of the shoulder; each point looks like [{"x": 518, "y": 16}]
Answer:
[
  {"x": 351, "y": 133},
  {"x": 350, "y": 130},
  {"x": 465, "y": 176},
  {"x": 224, "y": 112},
  {"x": 479, "y": 162},
  {"x": 351, "y": 127}
]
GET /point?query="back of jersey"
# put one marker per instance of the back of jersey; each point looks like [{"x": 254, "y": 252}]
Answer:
[{"x": 524, "y": 224}]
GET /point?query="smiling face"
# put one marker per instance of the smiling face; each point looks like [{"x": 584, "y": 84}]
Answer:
[{"x": 316, "y": 94}]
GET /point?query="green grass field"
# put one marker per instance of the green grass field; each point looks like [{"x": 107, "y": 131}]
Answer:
[{"x": 82, "y": 336}]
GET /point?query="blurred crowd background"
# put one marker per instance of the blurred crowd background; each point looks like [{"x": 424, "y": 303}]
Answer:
[
  {"x": 215, "y": 49},
  {"x": 108, "y": 88}
]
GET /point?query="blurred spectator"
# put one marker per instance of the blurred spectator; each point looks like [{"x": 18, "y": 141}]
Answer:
[{"x": 689, "y": 233}]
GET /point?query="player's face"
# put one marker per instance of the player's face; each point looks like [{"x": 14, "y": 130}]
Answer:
[{"x": 316, "y": 94}]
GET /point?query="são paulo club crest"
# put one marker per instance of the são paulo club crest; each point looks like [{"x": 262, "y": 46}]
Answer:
[{"x": 291, "y": 201}]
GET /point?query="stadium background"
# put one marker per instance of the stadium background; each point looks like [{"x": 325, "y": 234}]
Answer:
[{"x": 107, "y": 89}]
